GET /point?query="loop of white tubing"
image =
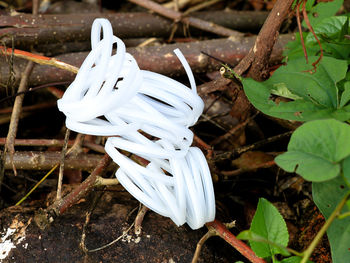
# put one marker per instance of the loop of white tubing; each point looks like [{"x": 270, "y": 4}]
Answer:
[{"x": 111, "y": 96}]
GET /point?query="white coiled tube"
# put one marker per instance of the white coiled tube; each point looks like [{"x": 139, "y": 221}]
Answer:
[{"x": 148, "y": 115}]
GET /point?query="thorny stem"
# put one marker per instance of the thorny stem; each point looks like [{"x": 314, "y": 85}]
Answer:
[{"x": 307, "y": 253}]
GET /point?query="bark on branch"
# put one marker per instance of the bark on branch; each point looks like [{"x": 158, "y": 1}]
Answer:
[
  {"x": 159, "y": 59},
  {"x": 28, "y": 30}
]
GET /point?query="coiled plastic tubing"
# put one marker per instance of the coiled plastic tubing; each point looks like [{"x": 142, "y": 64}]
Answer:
[{"x": 148, "y": 115}]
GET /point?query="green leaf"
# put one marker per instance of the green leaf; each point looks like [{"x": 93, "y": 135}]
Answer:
[
  {"x": 346, "y": 168},
  {"x": 316, "y": 149},
  {"x": 331, "y": 29},
  {"x": 323, "y": 10},
  {"x": 294, "y": 49},
  {"x": 269, "y": 224},
  {"x": 317, "y": 93},
  {"x": 251, "y": 236},
  {"x": 345, "y": 97},
  {"x": 293, "y": 259},
  {"x": 327, "y": 196}
]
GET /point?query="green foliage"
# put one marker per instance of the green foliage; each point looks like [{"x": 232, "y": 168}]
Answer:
[
  {"x": 317, "y": 149},
  {"x": 268, "y": 232},
  {"x": 310, "y": 95},
  {"x": 323, "y": 10},
  {"x": 327, "y": 195},
  {"x": 294, "y": 259}
]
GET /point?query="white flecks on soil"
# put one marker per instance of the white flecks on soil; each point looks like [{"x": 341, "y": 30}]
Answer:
[{"x": 6, "y": 243}]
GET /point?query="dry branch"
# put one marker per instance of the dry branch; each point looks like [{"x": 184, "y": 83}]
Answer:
[
  {"x": 257, "y": 59},
  {"x": 36, "y": 160},
  {"x": 159, "y": 59},
  {"x": 28, "y": 30},
  {"x": 188, "y": 20}
]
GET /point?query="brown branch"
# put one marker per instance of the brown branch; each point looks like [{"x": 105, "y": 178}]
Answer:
[
  {"x": 160, "y": 59},
  {"x": 257, "y": 59},
  {"x": 252, "y": 168},
  {"x": 192, "y": 21},
  {"x": 64, "y": 29},
  {"x": 139, "y": 219},
  {"x": 216, "y": 228},
  {"x": 243, "y": 149},
  {"x": 62, "y": 161},
  {"x": 9, "y": 149},
  {"x": 36, "y": 160},
  {"x": 53, "y": 143},
  {"x": 44, "y": 217},
  {"x": 37, "y": 59}
]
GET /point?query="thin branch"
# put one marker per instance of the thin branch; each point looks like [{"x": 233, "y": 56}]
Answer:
[
  {"x": 221, "y": 231},
  {"x": 53, "y": 143},
  {"x": 238, "y": 151},
  {"x": 61, "y": 170},
  {"x": 44, "y": 217},
  {"x": 252, "y": 168},
  {"x": 158, "y": 59},
  {"x": 38, "y": 59},
  {"x": 17, "y": 108},
  {"x": 192, "y": 21},
  {"x": 139, "y": 219},
  {"x": 200, "y": 244},
  {"x": 45, "y": 160}
]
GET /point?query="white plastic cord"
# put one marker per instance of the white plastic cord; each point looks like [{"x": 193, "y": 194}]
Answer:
[{"x": 149, "y": 115}]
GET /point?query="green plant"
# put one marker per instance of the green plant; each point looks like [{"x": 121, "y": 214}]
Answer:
[{"x": 317, "y": 93}]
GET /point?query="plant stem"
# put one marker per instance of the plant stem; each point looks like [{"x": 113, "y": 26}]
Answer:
[
  {"x": 342, "y": 216},
  {"x": 307, "y": 253}
]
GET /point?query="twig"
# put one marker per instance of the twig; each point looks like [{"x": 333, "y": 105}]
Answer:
[
  {"x": 195, "y": 22},
  {"x": 238, "y": 151},
  {"x": 232, "y": 131},
  {"x": 100, "y": 181},
  {"x": 158, "y": 59},
  {"x": 114, "y": 241},
  {"x": 200, "y": 244},
  {"x": 45, "y": 160},
  {"x": 200, "y": 6},
  {"x": 61, "y": 170},
  {"x": 301, "y": 31},
  {"x": 17, "y": 108},
  {"x": 216, "y": 228},
  {"x": 60, "y": 29},
  {"x": 307, "y": 22},
  {"x": 38, "y": 59},
  {"x": 139, "y": 219},
  {"x": 44, "y": 217},
  {"x": 53, "y": 143},
  {"x": 96, "y": 198},
  {"x": 252, "y": 168}
]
